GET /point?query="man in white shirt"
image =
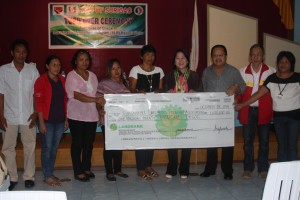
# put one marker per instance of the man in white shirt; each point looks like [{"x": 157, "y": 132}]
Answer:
[{"x": 17, "y": 112}]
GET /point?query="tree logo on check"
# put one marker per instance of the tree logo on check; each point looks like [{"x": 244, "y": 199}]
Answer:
[{"x": 171, "y": 121}]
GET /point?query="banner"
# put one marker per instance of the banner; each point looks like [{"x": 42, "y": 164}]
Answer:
[
  {"x": 163, "y": 121},
  {"x": 97, "y": 25}
]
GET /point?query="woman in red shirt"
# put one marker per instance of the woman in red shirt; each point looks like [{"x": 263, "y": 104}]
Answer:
[{"x": 51, "y": 100}]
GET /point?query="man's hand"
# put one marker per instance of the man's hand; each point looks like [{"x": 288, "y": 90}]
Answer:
[
  {"x": 233, "y": 89},
  {"x": 3, "y": 123},
  {"x": 32, "y": 120}
]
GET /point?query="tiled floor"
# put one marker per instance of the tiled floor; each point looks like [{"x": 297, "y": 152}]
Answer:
[{"x": 161, "y": 188}]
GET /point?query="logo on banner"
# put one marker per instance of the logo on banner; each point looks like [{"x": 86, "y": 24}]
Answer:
[
  {"x": 138, "y": 10},
  {"x": 58, "y": 9},
  {"x": 171, "y": 121},
  {"x": 72, "y": 10}
]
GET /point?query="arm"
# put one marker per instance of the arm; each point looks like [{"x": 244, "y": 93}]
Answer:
[
  {"x": 132, "y": 86},
  {"x": 161, "y": 86},
  {"x": 260, "y": 93},
  {"x": 84, "y": 98},
  {"x": 33, "y": 116},
  {"x": 42, "y": 126},
  {"x": 3, "y": 123}
]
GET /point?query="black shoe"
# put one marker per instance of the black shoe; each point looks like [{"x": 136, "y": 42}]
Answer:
[
  {"x": 89, "y": 174},
  {"x": 29, "y": 183},
  {"x": 121, "y": 174},
  {"x": 206, "y": 174},
  {"x": 12, "y": 185},
  {"x": 111, "y": 177},
  {"x": 82, "y": 178},
  {"x": 228, "y": 177}
]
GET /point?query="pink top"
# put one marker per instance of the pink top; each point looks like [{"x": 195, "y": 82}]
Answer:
[{"x": 78, "y": 110}]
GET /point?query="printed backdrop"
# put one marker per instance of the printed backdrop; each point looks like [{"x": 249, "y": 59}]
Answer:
[{"x": 87, "y": 25}]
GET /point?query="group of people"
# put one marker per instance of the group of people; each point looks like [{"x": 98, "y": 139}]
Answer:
[{"x": 77, "y": 103}]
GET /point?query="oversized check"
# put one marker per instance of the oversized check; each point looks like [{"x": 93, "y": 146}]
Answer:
[{"x": 166, "y": 120}]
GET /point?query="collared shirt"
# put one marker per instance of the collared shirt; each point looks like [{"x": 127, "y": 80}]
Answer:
[
  {"x": 17, "y": 88},
  {"x": 77, "y": 110},
  {"x": 255, "y": 84},
  {"x": 229, "y": 76}
]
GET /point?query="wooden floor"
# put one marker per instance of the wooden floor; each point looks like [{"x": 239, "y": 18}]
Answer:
[{"x": 160, "y": 156}]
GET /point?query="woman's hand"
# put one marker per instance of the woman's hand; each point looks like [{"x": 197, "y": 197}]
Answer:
[
  {"x": 42, "y": 127},
  {"x": 100, "y": 101}
]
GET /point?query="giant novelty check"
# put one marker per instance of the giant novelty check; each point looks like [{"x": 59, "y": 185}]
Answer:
[{"x": 165, "y": 120}]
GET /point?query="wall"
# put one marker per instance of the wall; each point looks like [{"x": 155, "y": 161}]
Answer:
[{"x": 169, "y": 28}]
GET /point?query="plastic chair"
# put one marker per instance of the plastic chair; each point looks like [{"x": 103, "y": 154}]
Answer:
[
  {"x": 283, "y": 181},
  {"x": 33, "y": 195}
]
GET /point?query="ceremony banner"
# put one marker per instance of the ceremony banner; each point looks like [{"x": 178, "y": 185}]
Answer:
[
  {"x": 97, "y": 25},
  {"x": 165, "y": 120}
]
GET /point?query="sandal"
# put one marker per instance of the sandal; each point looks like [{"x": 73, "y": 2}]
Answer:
[
  {"x": 145, "y": 176},
  {"x": 151, "y": 172},
  {"x": 52, "y": 182}
]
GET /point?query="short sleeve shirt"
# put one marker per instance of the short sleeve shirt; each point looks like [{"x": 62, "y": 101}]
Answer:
[
  {"x": 18, "y": 89},
  {"x": 147, "y": 81},
  {"x": 77, "y": 110}
]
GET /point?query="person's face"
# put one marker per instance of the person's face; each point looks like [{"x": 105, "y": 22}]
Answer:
[
  {"x": 180, "y": 61},
  {"x": 82, "y": 61},
  {"x": 115, "y": 72},
  {"x": 284, "y": 65},
  {"x": 148, "y": 58},
  {"x": 19, "y": 54},
  {"x": 218, "y": 57},
  {"x": 256, "y": 56},
  {"x": 54, "y": 67}
]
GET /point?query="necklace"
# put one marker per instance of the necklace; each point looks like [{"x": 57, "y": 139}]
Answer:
[
  {"x": 150, "y": 81},
  {"x": 180, "y": 87},
  {"x": 281, "y": 90}
]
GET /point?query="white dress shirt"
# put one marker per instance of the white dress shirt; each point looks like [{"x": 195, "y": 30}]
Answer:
[{"x": 18, "y": 90}]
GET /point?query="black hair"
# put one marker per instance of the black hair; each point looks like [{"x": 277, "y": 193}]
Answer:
[
  {"x": 18, "y": 42},
  {"x": 148, "y": 48},
  {"x": 290, "y": 56},
  {"x": 256, "y": 46},
  {"x": 218, "y": 46},
  {"x": 186, "y": 55},
  {"x": 51, "y": 57},
  {"x": 109, "y": 66},
  {"x": 76, "y": 54}
]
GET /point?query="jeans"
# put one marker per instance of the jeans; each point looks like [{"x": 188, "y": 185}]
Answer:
[
  {"x": 263, "y": 135},
  {"x": 83, "y": 136},
  {"x": 287, "y": 132},
  {"x": 184, "y": 167},
  {"x": 50, "y": 142}
]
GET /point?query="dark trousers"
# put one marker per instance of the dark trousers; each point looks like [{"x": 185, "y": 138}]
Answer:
[
  {"x": 287, "y": 133},
  {"x": 226, "y": 163},
  {"x": 112, "y": 158},
  {"x": 263, "y": 135},
  {"x": 143, "y": 158},
  {"x": 184, "y": 166},
  {"x": 83, "y": 136}
]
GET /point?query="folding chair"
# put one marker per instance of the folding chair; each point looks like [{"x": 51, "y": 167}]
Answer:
[
  {"x": 283, "y": 181},
  {"x": 33, "y": 195}
]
